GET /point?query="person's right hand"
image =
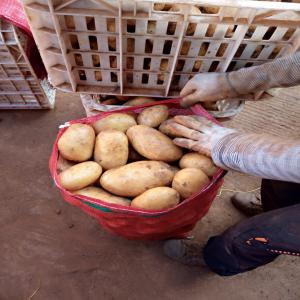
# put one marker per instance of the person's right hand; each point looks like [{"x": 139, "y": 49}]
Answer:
[
  {"x": 206, "y": 87},
  {"x": 197, "y": 133}
]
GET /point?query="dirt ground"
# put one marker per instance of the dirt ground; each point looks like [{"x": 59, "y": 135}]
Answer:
[{"x": 51, "y": 250}]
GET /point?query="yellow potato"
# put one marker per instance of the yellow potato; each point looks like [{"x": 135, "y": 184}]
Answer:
[
  {"x": 135, "y": 178},
  {"x": 166, "y": 129},
  {"x": 153, "y": 144},
  {"x": 98, "y": 193},
  {"x": 111, "y": 25},
  {"x": 198, "y": 161},
  {"x": 117, "y": 121},
  {"x": 164, "y": 65},
  {"x": 80, "y": 175},
  {"x": 123, "y": 98},
  {"x": 111, "y": 149},
  {"x": 189, "y": 181},
  {"x": 153, "y": 116},
  {"x": 139, "y": 101},
  {"x": 159, "y": 6},
  {"x": 194, "y": 10},
  {"x": 112, "y": 44},
  {"x": 151, "y": 27},
  {"x": 111, "y": 101},
  {"x": 211, "y": 106},
  {"x": 209, "y": 10},
  {"x": 77, "y": 142},
  {"x": 157, "y": 199}
]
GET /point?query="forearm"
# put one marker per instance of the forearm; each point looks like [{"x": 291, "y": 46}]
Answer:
[
  {"x": 259, "y": 154},
  {"x": 282, "y": 72}
]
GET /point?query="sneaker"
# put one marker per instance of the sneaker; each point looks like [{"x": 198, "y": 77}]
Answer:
[
  {"x": 185, "y": 252},
  {"x": 247, "y": 203}
]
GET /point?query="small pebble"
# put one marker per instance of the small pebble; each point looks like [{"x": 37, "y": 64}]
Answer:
[{"x": 71, "y": 225}]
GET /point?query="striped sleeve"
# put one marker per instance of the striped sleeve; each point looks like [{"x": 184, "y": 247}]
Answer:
[
  {"x": 261, "y": 155},
  {"x": 282, "y": 72}
]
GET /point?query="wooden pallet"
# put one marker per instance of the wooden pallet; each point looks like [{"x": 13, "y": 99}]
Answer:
[
  {"x": 135, "y": 48},
  {"x": 19, "y": 86}
]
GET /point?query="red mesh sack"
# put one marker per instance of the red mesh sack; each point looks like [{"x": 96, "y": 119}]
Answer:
[{"x": 133, "y": 223}]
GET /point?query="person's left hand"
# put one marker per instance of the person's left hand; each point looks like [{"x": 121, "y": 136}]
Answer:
[{"x": 197, "y": 133}]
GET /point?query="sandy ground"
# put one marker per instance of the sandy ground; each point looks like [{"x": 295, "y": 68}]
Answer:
[{"x": 54, "y": 251}]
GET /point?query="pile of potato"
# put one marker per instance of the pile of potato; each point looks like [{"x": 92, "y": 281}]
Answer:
[{"x": 129, "y": 159}]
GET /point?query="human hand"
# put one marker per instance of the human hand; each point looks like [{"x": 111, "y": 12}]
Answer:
[
  {"x": 197, "y": 133},
  {"x": 206, "y": 87}
]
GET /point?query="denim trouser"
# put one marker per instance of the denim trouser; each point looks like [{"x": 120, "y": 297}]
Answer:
[{"x": 260, "y": 239}]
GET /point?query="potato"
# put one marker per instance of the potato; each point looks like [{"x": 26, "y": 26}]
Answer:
[
  {"x": 123, "y": 98},
  {"x": 111, "y": 25},
  {"x": 77, "y": 142},
  {"x": 63, "y": 164},
  {"x": 159, "y": 6},
  {"x": 98, "y": 193},
  {"x": 98, "y": 76},
  {"x": 194, "y": 10},
  {"x": 189, "y": 181},
  {"x": 166, "y": 129},
  {"x": 111, "y": 149},
  {"x": 198, "y": 161},
  {"x": 112, "y": 46},
  {"x": 138, "y": 101},
  {"x": 95, "y": 60},
  {"x": 153, "y": 144},
  {"x": 157, "y": 199},
  {"x": 164, "y": 65},
  {"x": 135, "y": 178},
  {"x": 153, "y": 116},
  {"x": 197, "y": 66},
  {"x": 209, "y": 10},
  {"x": 117, "y": 121},
  {"x": 80, "y": 175},
  {"x": 111, "y": 101},
  {"x": 211, "y": 106},
  {"x": 151, "y": 27}
]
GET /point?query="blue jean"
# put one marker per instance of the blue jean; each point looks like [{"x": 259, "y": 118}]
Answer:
[{"x": 260, "y": 239}]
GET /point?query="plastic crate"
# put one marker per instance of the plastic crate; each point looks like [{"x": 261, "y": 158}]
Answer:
[
  {"x": 141, "y": 48},
  {"x": 19, "y": 84}
]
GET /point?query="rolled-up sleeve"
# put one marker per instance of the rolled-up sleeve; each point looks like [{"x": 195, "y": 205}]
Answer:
[
  {"x": 261, "y": 155},
  {"x": 282, "y": 72}
]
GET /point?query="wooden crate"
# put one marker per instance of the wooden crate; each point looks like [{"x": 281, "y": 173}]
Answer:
[
  {"x": 135, "y": 48},
  {"x": 19, "y": 85}
]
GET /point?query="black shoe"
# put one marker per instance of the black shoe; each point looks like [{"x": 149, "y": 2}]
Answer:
[
  {"x": 185, "y": 252},
  {"x": 247, "y": 203}
]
